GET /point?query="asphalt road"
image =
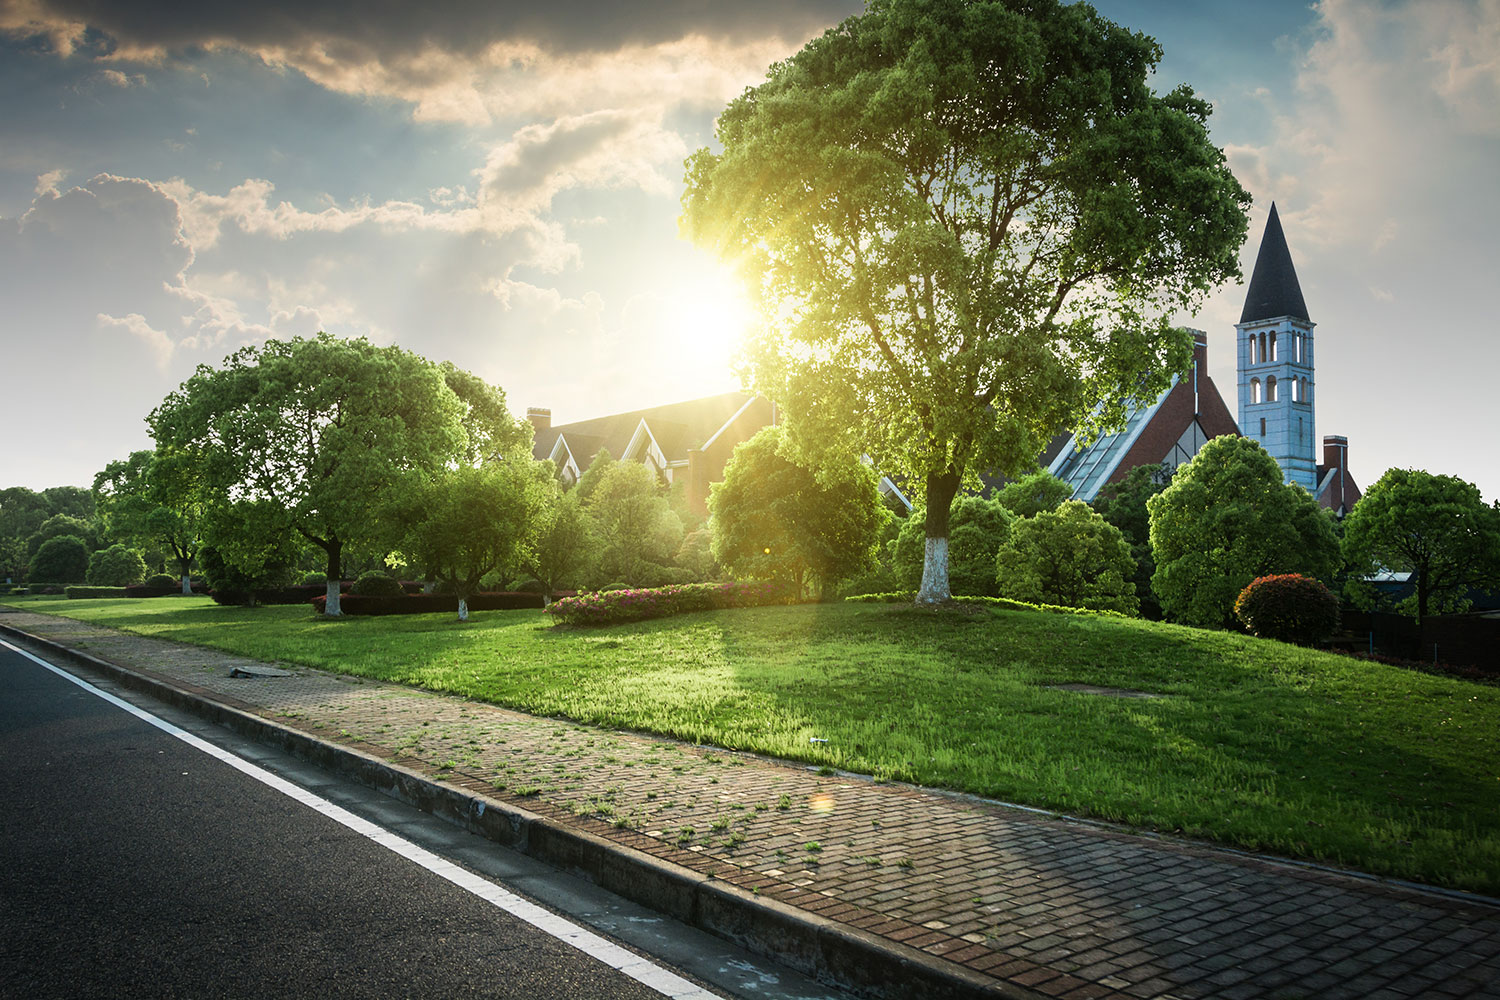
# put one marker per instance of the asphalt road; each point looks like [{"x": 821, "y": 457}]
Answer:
[{"x": 134, "y": 865}]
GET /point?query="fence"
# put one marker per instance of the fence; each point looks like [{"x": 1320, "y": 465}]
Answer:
[{"x": 1462, "y": 640}]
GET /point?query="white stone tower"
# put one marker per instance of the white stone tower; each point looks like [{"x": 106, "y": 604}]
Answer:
[{"x": 1275, "y": 343}]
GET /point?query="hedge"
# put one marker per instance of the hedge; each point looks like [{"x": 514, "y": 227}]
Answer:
[
  {"x": 420, "y": 604},
  {"x": 78, "y": 592},
  {"x": 617, "y": 606},
  {"x": 297, "y": 594},
  {"x": 146, "y": 590}
]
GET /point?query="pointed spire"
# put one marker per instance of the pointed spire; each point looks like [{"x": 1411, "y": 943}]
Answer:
[{"x": 1273, "y": 284}]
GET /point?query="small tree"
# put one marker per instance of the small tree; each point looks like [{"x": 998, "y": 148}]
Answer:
[
  {"x": 1069, "y": 556},
  {"x": 976, "y": 530},
  {"x": 151, "y": 498},
  {"x": 562, "y": 540},
  {"x": 60, "y": 560},
  {"x": 1289, "y": 607},
  {"x": 1437, "y": 527},
  {"x": 468, "y": 522},
  {"x": 230, "y": 582},
  {"x": 116, "y": 566},
  {"x": 1123, "y": 504},
  {"x": 1226, "y": 519},
  {"x": 773, "y": 518},
  {"x": 638, "y": 533}
]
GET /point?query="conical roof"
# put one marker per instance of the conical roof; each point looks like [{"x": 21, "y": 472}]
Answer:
[{"x": 1273, "y": 284}]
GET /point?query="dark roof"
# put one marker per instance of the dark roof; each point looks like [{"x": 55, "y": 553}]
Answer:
[
  {"x": 1274, "y": 290},
  {"x": 676, "y": 427}
]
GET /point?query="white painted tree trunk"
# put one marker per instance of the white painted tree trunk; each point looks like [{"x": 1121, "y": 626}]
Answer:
[
  {"x": 332, "y": 609},
  {"x": 463, "y": 610},
  {"x": 187, "y": 586},
  {"x": 934, "y": 588}
]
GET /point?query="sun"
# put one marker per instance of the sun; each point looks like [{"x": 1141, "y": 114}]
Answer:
[{"x": 705, "y": 318}]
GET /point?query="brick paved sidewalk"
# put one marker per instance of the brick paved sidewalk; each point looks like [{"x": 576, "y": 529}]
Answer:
[{"x": 1066, "y": 909}]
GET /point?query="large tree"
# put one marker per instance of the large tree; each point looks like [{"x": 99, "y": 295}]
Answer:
[
  {"x": 1227, "y": 518},
  {"x": 774, "y": 518},
  {"x": 966, "y": 223},
  {"x": 317, "y": 432},
  {"x": 1436, "y": 527},
  {"x": 153, "y": 498}
]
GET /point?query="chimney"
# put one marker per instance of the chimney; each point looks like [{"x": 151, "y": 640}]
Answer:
[
  {"x": 1200, "y": 365},
  {"x": 1336, "y": 451},
  {"x": 541, "y": 419}
]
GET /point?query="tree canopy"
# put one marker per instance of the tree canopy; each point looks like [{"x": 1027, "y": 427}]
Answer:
[
  {"x": 1436, "y": 527},
  {"x": 1069, "y": 556},
  {"x": 1226, "y": 519},
  {"x": 313, "y": 434},
  {"x": 154, "y": 499},
  {"x": 775, "y": 519},
  {"x": 966, "y": 223}
]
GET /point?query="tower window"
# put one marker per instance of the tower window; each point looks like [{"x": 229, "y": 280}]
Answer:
[
  {"x": 1255, "y": 390},
  {"x": 1262, "y": 426},
  {"x": 1273, "y": 349},
  {"x": 1271, "y": 387},
  {"x": 1294, "y": 390},
  {"x": 1262, "y": 347},
  {"x": 1305, "y": 397}
]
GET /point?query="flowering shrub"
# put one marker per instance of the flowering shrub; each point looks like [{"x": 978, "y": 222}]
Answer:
[
  {"x": 616, "y": 606},
  {"x": 1289, "y": 607}
]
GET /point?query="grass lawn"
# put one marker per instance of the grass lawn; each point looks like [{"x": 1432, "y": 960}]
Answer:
[{"x": 1253, "y": 743}]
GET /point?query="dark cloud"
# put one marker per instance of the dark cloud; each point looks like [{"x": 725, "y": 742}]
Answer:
[{"x": 388, "y": 28}]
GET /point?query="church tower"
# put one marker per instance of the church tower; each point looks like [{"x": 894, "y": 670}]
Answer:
[{"x": 1275, "y": 343}]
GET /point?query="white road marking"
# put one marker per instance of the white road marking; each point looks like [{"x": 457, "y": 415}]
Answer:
[{"x": 641, "y": 970}]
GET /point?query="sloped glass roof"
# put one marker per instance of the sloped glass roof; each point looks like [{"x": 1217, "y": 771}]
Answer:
[{"x": 1087, "y": 469}]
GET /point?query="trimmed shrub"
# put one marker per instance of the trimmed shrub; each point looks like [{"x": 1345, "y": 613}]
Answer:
[
  {"x": 314, "y": 580},
  {"x": 420, "y": 604},
  {"x": 64, "y": 559},
  {"x": 1290, "y": 607},
  {"x": 163, "y": 581},
  {"x": 375, "y": 584},
  {"x": 616, "y": 606},
  {"x": 44, "y": 588},
  {"x": 116, "y": 566},
  {"x": 75, "y": 593}
]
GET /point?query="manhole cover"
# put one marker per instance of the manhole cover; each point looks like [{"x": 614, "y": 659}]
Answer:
[{"x": 257, "y": 671}]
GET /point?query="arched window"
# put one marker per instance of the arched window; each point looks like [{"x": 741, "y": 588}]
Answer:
[
  {"x": 1263, "y": 354},
  {"x": 1272, "y": 355},
  {"x": 1293, "y": 390},
  {"x": 1271, "y": 387},
  {"x": 1255, "y": 390},
  {"x": 1250, "y": 356},
  {"x": 1304, "y": 396}
]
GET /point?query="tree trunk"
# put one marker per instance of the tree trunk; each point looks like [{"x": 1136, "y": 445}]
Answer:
[
  {"x": 187, "y": 585},
  {"x": 463, "y": 610},
  {"x": 334, "y": 547},
  {"x": 1421, "y": 597},
  {"x": 941, "y": 489}
]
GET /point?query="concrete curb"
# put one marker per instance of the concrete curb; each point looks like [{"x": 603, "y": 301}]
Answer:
[{"x": 839, "y": 955}]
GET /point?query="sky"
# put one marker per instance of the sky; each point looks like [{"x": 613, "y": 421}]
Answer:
[{"x": 498, "y": 184}]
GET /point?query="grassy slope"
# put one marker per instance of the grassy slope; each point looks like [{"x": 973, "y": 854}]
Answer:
[{"x": 1257, "y": 744}]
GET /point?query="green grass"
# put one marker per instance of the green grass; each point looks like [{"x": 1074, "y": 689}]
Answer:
[{"x": 1255, "y": 744}]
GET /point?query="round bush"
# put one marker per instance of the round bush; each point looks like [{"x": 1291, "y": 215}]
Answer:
[
  {"x": 60, "y": 560},
  {"x": 314, "y": 580},
  {"x": 163, "y": 581},
  {"x": 1290, "y": 607},
  {"x": 376, "y": 584}
]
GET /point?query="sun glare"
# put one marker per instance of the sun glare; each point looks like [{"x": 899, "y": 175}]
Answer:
[{"x": 705, "y": 320}]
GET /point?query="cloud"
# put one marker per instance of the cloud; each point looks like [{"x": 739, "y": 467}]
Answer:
[
  {"x": 467, "y": 61},
  {"x": 134, "y": 323}
]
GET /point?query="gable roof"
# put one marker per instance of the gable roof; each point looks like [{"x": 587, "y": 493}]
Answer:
[
  {"x": 1274, "y": 290},
  {"x": 676, "y": 428}
]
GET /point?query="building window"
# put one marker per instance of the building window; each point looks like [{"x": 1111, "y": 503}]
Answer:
[
  {"x": 1273, "y": 349},
  {"x": 1262, "y": 348},
  {"x": 1262, "y": 426},
  {"x": 1271, "y": 387},
  {"x": 1305, "y": 398},
  {"x": 1294, "y": 390},
  {"x": 1255, "y": 390}
]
